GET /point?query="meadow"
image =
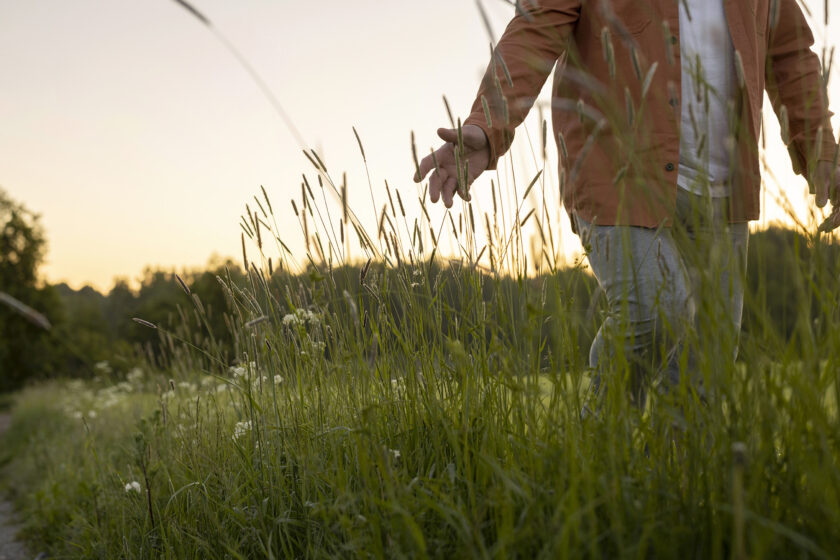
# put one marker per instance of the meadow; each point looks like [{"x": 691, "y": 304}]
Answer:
[
  {"x": 422, "y": 399},
  {"x": 409, "y": 407}
]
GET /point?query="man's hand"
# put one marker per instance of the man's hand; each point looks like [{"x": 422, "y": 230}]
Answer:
[
  {"x": 827, "y": 185},
  {"x": 475, "y": 155}
]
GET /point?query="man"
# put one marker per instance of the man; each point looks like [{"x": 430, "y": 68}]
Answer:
[{"x": 657, "y": 104}]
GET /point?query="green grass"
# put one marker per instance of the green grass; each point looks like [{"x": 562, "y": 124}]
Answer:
[
  {"x": 406, "y": 408},
  {"x": 431, "y": 412},
  {"x": 344, "y": 462}
]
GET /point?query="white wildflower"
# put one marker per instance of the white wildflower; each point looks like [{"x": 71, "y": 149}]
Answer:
[
  {"x": 77, "y": 415},
  {"x": 207, "y": 381},
  {"x": 301, "y": 317},
  {"x": 132, "y": 486},
  {"x": 124, "y": 386},
  {"x": 135, "y": 375},
  {"x": 91, "y": 414},
  {"x": 76, "y": 385},
  {"x": 187, "y": 386},
  {"x": 110, "y": 401},
  {"x": 312, "y": 318},
  {"x": 221, "y": 388},
  {"x": 103, "y": 366},
  {"x": 168, "y": 395},
  {"x": 238, "y": 372},
  {"x": 241, "y": 429},
  {"x": 278, "y": 379},
  {"x": 110, "y": 396},
  {"x": 395, "y": 453}
]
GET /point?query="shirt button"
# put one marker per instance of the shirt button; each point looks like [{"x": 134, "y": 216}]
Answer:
[
  {"x": 669, "y": 166},
  {"x": 674, "y": 39},
  {"x": 673, "y": 102}
]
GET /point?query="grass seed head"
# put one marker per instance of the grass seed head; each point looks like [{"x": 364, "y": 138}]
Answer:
[
  {"x": 244, "y": 254},
  {"x": 183, "y": 285}
]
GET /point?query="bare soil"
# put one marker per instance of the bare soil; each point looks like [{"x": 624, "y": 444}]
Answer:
[{"x": 10, "y": 547}]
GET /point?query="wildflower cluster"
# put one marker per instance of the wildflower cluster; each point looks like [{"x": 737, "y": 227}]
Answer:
[
  {"x": 103, "y": 367},
  {"x": 417, "y": 276},
  {"x": 300, "y": 318},
  {"x": 258, "y": 379},
  {"x": 240, "y": 371},
  {"x": 241, "y": 428},
  {"x": 135, "y": 376},
  {"x": 83, "y": 401},
  {"x": 307, "y": 330}
]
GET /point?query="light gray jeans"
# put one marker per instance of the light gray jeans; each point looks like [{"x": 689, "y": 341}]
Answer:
[{"x": 674, "y": 296}]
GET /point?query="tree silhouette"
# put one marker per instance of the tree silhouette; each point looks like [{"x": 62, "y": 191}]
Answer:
[{"x": 26, "y": 349}]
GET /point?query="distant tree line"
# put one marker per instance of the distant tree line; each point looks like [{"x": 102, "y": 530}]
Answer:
[{"x": 88, "y": 327}]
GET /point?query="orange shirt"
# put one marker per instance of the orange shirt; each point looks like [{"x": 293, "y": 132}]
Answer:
[{"x": 616, "y": 99}]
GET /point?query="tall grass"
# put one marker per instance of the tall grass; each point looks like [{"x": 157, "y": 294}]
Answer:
[
  {"x": 413, "y": 409},
  {"x": 385, "y": 402}
]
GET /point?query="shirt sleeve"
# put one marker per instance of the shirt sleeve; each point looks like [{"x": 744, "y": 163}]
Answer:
[
  {"x": 521, "y": 62},
  {"x": 796, "y": 88}
]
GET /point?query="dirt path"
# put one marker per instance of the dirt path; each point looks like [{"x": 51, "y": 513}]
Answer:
[{"x": 10, "y": 547}]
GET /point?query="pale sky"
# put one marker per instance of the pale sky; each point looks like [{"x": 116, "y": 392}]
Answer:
[{"x": 139, "y": 138}]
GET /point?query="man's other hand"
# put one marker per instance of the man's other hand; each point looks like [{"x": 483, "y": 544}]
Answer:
[
  {"x": 827, "y": 186},
  {"x": 445, "y": 179}
]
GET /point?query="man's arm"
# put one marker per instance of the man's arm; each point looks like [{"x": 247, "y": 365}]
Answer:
[
  {"x": 523, "y": 59},
  {"x": 795, "y": 87},
  {"x": 525, "y": 56}
]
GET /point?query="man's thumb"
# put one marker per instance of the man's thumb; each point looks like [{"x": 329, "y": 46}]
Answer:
[{"x": 448, "y": 135}]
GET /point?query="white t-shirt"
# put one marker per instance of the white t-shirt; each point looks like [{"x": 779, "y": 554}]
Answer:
[{"x": 708, "y": 93}]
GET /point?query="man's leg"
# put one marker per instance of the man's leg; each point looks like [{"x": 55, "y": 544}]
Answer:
[
  {"x": 715, "y": 253},
  {"x": 647, "y": 288}
]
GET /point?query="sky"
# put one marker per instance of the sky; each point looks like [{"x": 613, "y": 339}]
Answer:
[{"x": 139, "y": 138}]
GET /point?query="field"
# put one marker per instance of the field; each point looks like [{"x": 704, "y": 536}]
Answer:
[
  {"x": 419, "y": 409},
  {"x": 421, "y": 396}
]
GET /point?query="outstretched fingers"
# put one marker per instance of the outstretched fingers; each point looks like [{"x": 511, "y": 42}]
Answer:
[
  {"x": 436, "y": 183},
  {"x": 426, "y": 165},
  {"x": 821, "y": 192},
  {"x": 448, "y": 191},
  {"x": 826, "y": 182},
  {"x": 441, "y": 156},
  {"x": 445, "y": 181}
]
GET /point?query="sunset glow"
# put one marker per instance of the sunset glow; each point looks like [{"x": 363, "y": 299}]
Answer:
[{"x": 139, "y": 138}]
